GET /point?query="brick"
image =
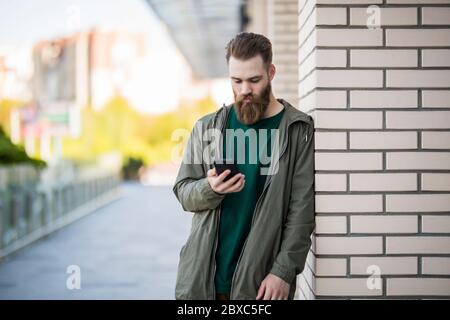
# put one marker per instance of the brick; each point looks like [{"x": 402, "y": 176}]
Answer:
[
  {"x": 345, "y": 287},
  {"x": 306, "y": 26},
  {"x": 348, "y": 203},
  {"x": 307, "y": 65},
  {"x": 418, "y": 245},
  {"x": 418, "y": 119},
  {"x": 349, "y": 78},
  {"x": 288, "y": 78},
  {"x": 348, "y": 161},
  {"x": 383, "y": 224},
  {"x": 285, "y": 58},
  {"x": 349, "y": 245},
  {"x": 331, "y": 267},
  {"x": 383, "y": 140},
  {"x": 282, "y": 28},
  {"x": 349, "y": 37},
  {"x": 330, "y": 140},
  {"x": 285, "y": 7},
  {"x": 436, "y": 265},
  {"x": 299, "y": 295},
  {"x": 284, "y": 47},
  {"x": 309, "y": 276},
  {"x": 307, "y": 84},
  {"x": 311, "y": 260},
  {"x": 418, "y": 287},
  {"x": 331, "y": 99},
  {"x": 432, "y": 16},
  {"x": 388, "y": 16},
  {"x": 333, "y": 224},
  {"x": 436, "y": 181},
  {"x": 436, "y": 98},
  {"x": 417, "y": 78},
  {"x": 388, "y": 265},
  {"x": 305, "y": 9},
  {"x": 349, "y": 119},
  {"x": 435, "y": 140},
  {"x": 331, "y": 58},
  {"x": 417, "y": 202},
  {"x": 306, "y": 44},
  {"x": 436, "y": 58},
  {"x": 383, "y": 182},
  {"x": 303, "y": 292},
  {"x": 307, "y": 103},
  {"x": 287, "y": 68},
  {"x": 418, "y": 160},
  {"x": 306, "y": 285},
  {"x": 331, "y": 16},
  {"x": 436, "y": 224},
  {"x": 417, "y": 37},
  {"x": 383, "y": 58},
  {"x": 330, "y": 182},
  {"x": 383, "y": 99},
  {"x": 290, "y": 96},
  {"x": 285, "y": 18}
]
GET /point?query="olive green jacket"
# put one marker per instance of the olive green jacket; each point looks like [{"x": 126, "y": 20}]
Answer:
[{"x": 283, "y": 218}]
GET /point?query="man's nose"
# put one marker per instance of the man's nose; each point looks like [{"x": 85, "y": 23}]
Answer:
[{"x": 245, "y": 90}]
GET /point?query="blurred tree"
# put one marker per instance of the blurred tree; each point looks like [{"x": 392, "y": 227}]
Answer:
[
  {"x": 119, "y": 127},
  {"x": 13, "y": 154},
  {"x": 131, "y": 167}
]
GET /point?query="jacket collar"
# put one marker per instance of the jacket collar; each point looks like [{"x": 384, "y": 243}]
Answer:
[{"x": 291, "y": 115}]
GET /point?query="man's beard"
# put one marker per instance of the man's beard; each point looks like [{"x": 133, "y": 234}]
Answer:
[{"x": 253, "y": 111}]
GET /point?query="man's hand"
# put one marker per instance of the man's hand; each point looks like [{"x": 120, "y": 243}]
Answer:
[
  {"x": 234, "y": 184},
  {"x": 273, "y": 288}
]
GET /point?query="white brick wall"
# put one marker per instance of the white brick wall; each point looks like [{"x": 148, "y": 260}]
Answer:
[{"x": 380, "y": 99}]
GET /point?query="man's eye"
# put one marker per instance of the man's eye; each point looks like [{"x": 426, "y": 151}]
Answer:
[{"x": 255, "y": 81}]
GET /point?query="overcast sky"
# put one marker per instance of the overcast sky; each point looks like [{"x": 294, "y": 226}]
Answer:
[{"x": 23, "y": 22}]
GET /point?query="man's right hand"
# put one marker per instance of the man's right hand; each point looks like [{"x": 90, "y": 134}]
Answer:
[{"x": 234, "y": 184}]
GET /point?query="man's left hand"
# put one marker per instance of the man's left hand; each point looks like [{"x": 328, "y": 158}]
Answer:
[{"x": 273, "y": 288}]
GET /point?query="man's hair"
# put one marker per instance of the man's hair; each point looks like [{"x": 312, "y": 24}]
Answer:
[{"x": 246, "y": 45}]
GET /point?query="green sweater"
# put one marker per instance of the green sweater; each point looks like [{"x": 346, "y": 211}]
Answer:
[{"x": 237, "y": 208}]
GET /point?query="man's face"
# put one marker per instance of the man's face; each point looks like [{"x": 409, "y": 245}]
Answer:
[{"x": 251, "y": 88}]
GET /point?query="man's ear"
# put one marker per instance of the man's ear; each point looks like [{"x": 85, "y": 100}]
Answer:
[{"x": 272, "y": 71}]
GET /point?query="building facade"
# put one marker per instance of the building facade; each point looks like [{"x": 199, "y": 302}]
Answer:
[{"x": 375, "y": 76}]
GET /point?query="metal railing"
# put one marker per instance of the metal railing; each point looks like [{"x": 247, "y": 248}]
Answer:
[{"x": 31, "y": 208}]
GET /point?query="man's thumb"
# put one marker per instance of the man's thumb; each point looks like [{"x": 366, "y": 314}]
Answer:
[{"x": 211, "y": 172}]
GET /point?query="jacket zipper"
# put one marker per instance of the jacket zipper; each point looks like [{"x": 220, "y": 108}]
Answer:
[
  {"x": 254, "y": 211},
  {"x": 216, "y": 240}
]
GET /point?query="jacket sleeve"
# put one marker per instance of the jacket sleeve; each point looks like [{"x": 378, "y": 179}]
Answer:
[
  {"x": 191, "y": 187},
  {"x": 300, "y": 221}
]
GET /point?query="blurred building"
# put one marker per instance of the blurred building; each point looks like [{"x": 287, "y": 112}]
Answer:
[
  {"x": 85, "y": 69},
  {"x": 15, "y": 72}
]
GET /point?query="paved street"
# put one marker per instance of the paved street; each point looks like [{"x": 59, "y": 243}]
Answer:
[{"x": 126, "y": 250}]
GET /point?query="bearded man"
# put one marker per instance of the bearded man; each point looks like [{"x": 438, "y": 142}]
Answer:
[{"x": 250, "y": 234}]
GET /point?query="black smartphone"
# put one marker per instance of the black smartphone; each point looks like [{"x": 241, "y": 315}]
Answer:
[{"x": 224, "y": 165}]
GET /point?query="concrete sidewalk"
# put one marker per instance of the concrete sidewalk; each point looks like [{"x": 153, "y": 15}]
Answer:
[{"x": 126, "y": 250}]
